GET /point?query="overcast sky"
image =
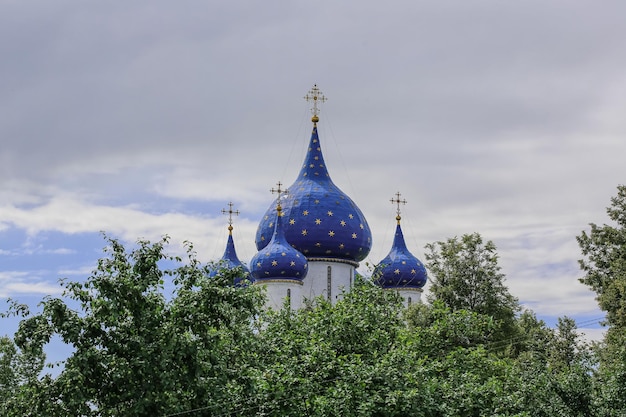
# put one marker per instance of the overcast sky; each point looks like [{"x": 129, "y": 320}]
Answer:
[{"x": 144, "y": 118}]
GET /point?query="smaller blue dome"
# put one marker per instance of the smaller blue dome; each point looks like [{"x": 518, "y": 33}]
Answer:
[
  {"x": 230, "y": 261},
  {"x": 278, "y": 260},
  {"x": 400, "y": 269}
]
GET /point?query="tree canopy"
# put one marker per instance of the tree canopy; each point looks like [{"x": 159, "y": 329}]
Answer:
[
  {"x": 465, "y": 275},
  {"x": 152, "y": 334}
]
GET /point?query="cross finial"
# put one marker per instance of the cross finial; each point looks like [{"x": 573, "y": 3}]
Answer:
[
  {"x": 230, "y": 213},
  {"x": 280, "y": 193},
  {"x": 317, "y": 97},
  {"x": 398, "y": 201}
]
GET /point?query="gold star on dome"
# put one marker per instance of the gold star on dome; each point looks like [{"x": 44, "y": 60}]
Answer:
[
  {"x": 316, "y": 201},
  {"x": 330, "y": 213},
  {"x": 305, "y": 213},
  {"x": 283, "y": 254},
  {"x": 292, "y": 263},
  {"x": 350, "y": 216},
  {"x": 413, "y": 272},
  {"x": 341, "y": 246},
  {"x": 318, "y": 244},
  {"x": 353, "y": 235},
  {"x": 318, "y": 221},
  {"x": 258, "y": 264},
  {"x": 304, "y": 232},
  {"x": 292, "y": 222},
  {"x": 343, "y": 222},
  {"x": 397, "y": 272},
  {"x": 361, "y": 226},
  {"x": 274, "y": 263},
  {"x": 403, "y": 262},
  {"x": 331, "y": 233}
]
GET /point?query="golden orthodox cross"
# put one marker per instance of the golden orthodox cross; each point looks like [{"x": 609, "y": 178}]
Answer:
[
  {"x": 397, "y": 201},
  {"x": 230, "y": 213},
  {"x": 317, "y": 97},
  {"x": 280, "y": 193}
]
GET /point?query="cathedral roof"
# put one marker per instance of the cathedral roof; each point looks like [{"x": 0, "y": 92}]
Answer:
[
  {"x": 400, "y": 269},
  {"x": 321, "y": 221},
  {"x": 278, "y": 260},
  {"x": 230, "y": 260}
]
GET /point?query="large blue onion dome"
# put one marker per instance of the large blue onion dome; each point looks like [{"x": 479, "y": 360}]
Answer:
[
  {"x": 400, "y": 269},
  {"x": 278, "y": 260},
  {"x": 321, "y": 221},
  {"x": 230, "y": 260}
]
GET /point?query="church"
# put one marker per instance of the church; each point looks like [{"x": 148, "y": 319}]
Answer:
[{"x": 313, "y": 236}]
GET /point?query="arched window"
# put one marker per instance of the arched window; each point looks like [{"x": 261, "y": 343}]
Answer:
[
  {"x": 409, "y": 301},
  {"x": 289, "y": 297}
]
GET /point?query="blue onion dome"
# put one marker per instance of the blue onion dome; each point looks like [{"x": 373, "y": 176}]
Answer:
[
  {"x": 230, "y": 260},
  {"x": 400, "y": 269},
  {"x": 321, "y": 221},
  {"x": 278, "y": 260}
]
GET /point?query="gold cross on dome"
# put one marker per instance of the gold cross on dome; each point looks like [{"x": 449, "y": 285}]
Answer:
[
  {"x": 317, "y": 97},
  {"x": 397, "y": 201},
  {"x": 280, "y": 193},
  {"x": 230, "y": 213}
]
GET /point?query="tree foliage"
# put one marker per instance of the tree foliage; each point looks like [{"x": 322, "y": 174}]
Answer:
[
  {"x": 154, "y": 335},
  {"x": 465, "y": 275},
  {"x": 604, "y": 264},
  {"x": 604, "y": 249},
  {"x": 134, "y": 351}
]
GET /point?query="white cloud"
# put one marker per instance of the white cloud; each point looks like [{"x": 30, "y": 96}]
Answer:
[{"x": 26, "y": 282}]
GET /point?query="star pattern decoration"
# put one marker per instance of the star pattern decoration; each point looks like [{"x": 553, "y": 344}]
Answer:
[{"x": 313, "y": 197}]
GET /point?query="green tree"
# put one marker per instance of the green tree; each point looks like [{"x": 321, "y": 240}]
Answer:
[
  {"x": 604, "y": 249},
  {"x": 465, "y": 275},
  {"x": 604, "y": 264},
  {"x": 138, "y": 351}
]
